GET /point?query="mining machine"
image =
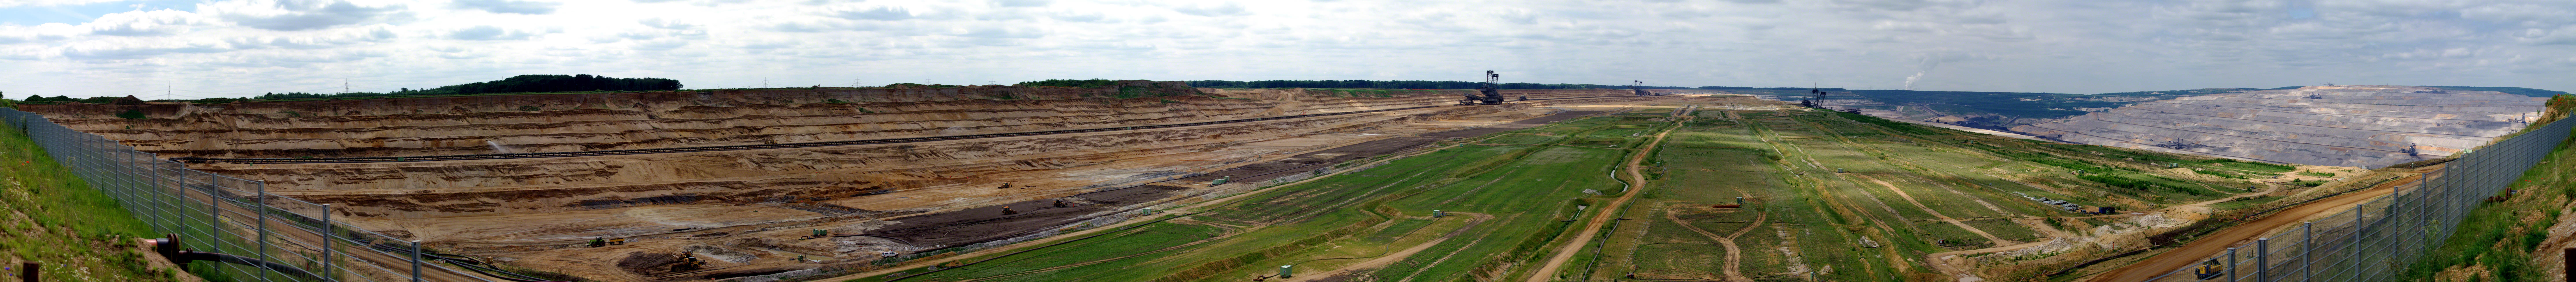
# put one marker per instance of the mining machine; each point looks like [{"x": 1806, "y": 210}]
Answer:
[
  {"x": 1639, "y": 86},
  {"x": 1492, "y": 95},
  {"x": 1810, "y": 102}
]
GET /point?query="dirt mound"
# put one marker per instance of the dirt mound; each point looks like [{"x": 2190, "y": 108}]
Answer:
[{"x": 647, "y": 262}]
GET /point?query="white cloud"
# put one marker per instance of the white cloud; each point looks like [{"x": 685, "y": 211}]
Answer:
[
  {"x": 142, "y": 23},
  {"x": 485, "y": 32},
  {"x": 46, "y": 3},
  {"x": 666, "y": 24},
  {"x": 1210, "y": 10},
  {"x": 293, "y": 15},
  {"x": 507, "y": 6},
  {"x": 1020, "y": 3},
  {"x": 876, "y": 13}
]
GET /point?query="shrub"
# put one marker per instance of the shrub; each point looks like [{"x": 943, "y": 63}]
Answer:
[
  {"x": 835, "y": 101},
  {"x": 131, "y": 114},
  {"x": 2219, "y": 173},
  {"x": 530, "y": 108},
  {"x": 1131, "y": 92},
  {"x": 2116, "y": 181}
]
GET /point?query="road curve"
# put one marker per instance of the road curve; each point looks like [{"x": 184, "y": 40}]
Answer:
[
  {"x": 2216, "y": 242},
  {"x": 1636, "y": 181}
]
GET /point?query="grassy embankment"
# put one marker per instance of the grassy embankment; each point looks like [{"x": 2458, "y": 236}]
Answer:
[
  {"x": 78, "y": 233},
  {"x": 2498, "y": 239},
  {"x": 1505, "y": 201}
]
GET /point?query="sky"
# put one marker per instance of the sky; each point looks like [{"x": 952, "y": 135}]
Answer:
[{"x": 237, "y": 48}]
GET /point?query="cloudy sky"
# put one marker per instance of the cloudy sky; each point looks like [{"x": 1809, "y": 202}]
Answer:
[{"x": 233, "y": 48}]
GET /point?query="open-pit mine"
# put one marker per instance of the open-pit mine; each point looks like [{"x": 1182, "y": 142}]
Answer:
[
  {"x": 1159, "y": 181},
  {"x": 1088, "y": 156}
]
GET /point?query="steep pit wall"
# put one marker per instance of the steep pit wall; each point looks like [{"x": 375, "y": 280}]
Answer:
[
  {"x": 610, "y": 121},
  {"x": 458, "y": 188},
  {"x": 2347, "y": 125}
]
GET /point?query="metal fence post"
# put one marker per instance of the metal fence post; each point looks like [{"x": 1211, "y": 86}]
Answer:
[
  {"x": 2231, "y": 264},
  {"x": 329, "y": 237},
  {"x": 2262, "y": 259},
  {"x": 415, "y": 260},
  {"x": 2359, "y": 232},
  {"x": 259, "y": 207},
  {"x": 2309, "y": 245}
]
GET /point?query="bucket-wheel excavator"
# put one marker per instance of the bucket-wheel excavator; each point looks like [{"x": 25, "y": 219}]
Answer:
[{"x": 1491, "y": 95}]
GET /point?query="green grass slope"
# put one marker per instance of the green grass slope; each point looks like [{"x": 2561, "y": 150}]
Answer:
[
  {"x": 52, "y": 218},
  {"x": 2499, "y": 240}
]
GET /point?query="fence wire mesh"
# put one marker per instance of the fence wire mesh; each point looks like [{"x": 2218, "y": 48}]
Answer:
[
  {"x": 221, "y": 214},
  {"x": 2376, "y": 239}
]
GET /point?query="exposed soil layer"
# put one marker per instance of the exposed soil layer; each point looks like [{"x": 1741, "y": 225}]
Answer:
[
  {"x": 1130, "y": 195},
  {"x": 614, "y": 121},
  {"x": 963, "y": 169}
]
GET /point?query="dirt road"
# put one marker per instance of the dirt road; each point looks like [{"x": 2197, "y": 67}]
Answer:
[
  {"x": 1636, "y": 181},
  {"x": 2211, "y": 245},
  {"x": 1734, "y": 255}
]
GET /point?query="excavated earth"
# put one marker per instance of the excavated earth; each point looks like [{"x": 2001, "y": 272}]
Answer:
[
  {"x": 2344, "y": 125},
  {"x": 744, "y": 211}
]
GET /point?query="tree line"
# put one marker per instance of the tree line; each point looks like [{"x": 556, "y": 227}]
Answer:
[{"x": 515, "y": 84}]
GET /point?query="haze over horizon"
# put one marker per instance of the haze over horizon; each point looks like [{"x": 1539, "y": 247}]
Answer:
[{"x": 237, "y": 48}]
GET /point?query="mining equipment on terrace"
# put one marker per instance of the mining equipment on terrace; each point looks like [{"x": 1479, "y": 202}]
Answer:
[
  {"x": 1639, "y": 86},
  {"x": 1820, "y": 95},
  {"x": 1811, "y": 101},
  {"x": 1492, "y": 96}
]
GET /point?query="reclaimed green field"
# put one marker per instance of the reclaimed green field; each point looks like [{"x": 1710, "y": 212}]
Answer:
[{"x": 1824, "y": 197}]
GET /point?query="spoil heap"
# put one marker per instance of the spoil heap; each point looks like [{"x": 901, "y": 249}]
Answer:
[{"x": 2343, "y": 125}]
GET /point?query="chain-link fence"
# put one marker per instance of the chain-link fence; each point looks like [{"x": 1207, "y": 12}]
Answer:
[
  {"x": 220, "y": 214},
  {"x": 2375, "y": 239}
]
